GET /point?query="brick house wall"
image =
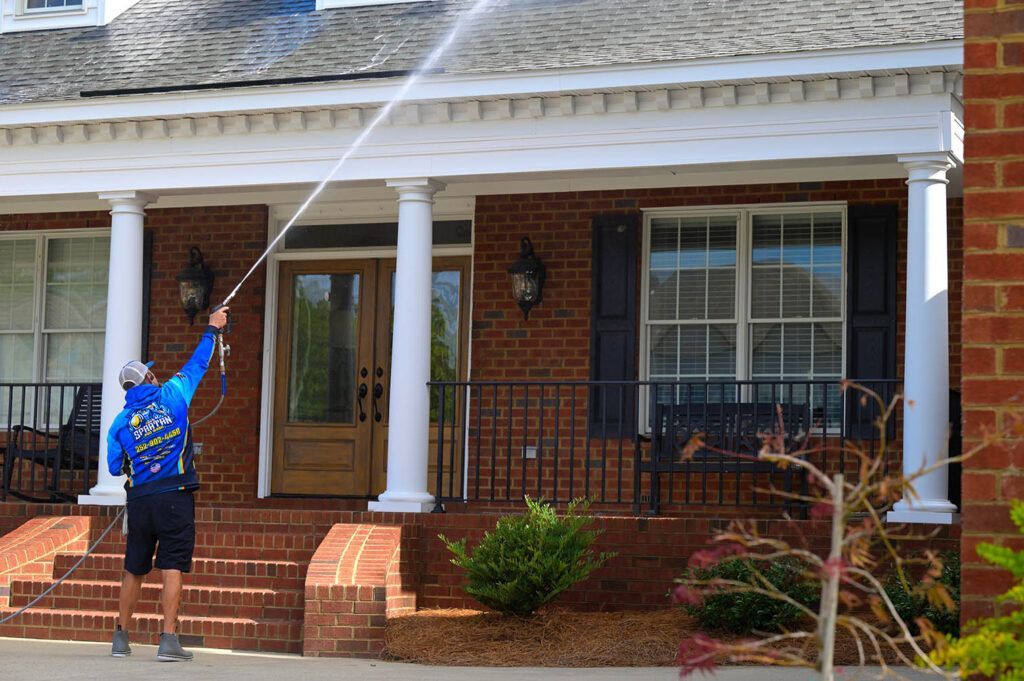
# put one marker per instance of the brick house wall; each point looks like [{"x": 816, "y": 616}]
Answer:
[
  {"x": 993, "y": 353},
  {"x": 231, "y": 238},
  {"x": 554, "y": 344}
]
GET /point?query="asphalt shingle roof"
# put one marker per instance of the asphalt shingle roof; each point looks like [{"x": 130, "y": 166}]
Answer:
[{"x": 180, "y": 42}]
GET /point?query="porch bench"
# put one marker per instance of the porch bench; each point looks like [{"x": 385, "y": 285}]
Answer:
[{"x": 732, "y": 434}]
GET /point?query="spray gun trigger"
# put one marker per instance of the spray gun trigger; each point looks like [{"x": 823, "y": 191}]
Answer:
[{"x": 227, "y": 350}]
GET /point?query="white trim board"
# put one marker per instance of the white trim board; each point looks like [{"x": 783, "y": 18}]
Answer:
[{"x": 836, "y": 129}]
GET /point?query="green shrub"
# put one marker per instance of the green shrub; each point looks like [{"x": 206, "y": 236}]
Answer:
[
  {"x": 914, "y": 603},
  {"x": 995, "y": 646},
  {"x": 529, "y": 559},
  {"x": 743, "y": 612}
]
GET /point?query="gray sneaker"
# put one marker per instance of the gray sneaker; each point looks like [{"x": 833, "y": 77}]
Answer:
[
  {"x": 121, "y": 647},
  {"x": 171, "y": 650}
]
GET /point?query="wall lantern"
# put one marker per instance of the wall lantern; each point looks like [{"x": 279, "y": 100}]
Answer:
[
  {"x": 195, "y": 283},
  {"x": 527, "y": 278}
]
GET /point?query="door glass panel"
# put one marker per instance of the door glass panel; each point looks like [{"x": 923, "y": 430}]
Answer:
[
  {"x": 445, "y": 295},
  {"x": 324, "y": 348}
]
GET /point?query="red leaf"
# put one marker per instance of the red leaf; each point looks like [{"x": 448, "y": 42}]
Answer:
[
  {"x": 684, "y": 595},
  {"x": 697, "y": 654}
]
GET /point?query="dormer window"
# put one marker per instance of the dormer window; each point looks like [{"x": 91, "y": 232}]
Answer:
[
  {"x": 47, "y": 15},
  {"x": 333, "y": 4},
  {"x": 43, "y": 5}
]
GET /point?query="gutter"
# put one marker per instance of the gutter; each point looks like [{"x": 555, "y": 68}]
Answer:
[{"x": 294, "y": 80}]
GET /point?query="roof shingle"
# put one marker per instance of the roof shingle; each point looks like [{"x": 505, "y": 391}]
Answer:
[{"x": 183, "y": 42}]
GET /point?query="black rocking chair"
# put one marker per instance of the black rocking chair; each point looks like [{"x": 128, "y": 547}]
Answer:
[
  {"x": 75, "y": 446},
  {"x": 727, "y": 429}
]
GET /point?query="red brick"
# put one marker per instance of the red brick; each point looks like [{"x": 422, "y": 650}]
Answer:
[
  {"x": 1013, "y": 487},
  {"x": 992, "y": 391},
  {"x": 995, "y": 204},
  {"x": 1012, "y": 297},
  {"x": 979, "y": 298},
  {"x": 987, "y": 518},
  {"x": 992, "y": 25},
  {"x": 1013, "y": 115},
  {"x": 979, "y": 361},
  {"x": 984, "y": 174},
  {"x": 981, "y": 55},
  {"x": 986, "y": 581},
  {"x": 979, "y": 486},
  {"x": 994, "y": 329},
  {"x": 1013, "y": 360},
  {"x": 1013, "y": 54}
]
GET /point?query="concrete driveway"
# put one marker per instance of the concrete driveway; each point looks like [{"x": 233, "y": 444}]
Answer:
[{"x": 29, "y": 660}]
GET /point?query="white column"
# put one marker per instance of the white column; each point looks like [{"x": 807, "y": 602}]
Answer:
[
  {"x": 409, "y": 398},
  {"x": 926, "y": 354},
  {"x": 123, "y": 340}
]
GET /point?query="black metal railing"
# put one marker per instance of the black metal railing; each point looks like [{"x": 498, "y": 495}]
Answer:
[
  {"x": 49, "y": 439},
  {"x": 623, "y": 444}
]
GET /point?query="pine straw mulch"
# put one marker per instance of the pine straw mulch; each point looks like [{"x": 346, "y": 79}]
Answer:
[{"x": 553, "y": 637}]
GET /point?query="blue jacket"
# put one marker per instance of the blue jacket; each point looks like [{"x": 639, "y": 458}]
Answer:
[{"x": 150, "y": 441}]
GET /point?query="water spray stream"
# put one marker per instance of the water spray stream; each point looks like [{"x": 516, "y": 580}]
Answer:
[{"x": 428, "y": 64}]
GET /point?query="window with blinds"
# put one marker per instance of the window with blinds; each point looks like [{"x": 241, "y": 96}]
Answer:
[
  {"x": 32, "y": 5},
  {"x": 53, "y": 307},
  {"x": 745, "y": 294}
]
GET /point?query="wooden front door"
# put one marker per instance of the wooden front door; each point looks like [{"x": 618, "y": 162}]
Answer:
[{"x": 333, "y": 370}]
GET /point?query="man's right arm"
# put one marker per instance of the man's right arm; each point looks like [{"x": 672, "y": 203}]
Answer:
[{"x": 186, "y": 381}]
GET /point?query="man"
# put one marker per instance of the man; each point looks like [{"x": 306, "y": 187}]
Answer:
[{"x": 150, "y": 441}]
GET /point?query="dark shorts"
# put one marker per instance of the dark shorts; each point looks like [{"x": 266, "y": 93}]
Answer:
[{"x": 163, "y": 522}]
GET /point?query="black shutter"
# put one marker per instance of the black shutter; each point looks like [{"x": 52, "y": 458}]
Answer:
[
  {"x": 871, "y": 307},
  {"x": 613, "y": 322},
  {"x": 147, "y": 276}
]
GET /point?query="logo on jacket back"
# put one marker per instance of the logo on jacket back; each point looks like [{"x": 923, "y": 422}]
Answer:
[{"x": 149, "y": 420}]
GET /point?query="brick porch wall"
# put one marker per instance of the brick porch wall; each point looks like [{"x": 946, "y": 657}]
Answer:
[
  {"x": 231, "y": 238},
  {"x": 994, "y": 287}
]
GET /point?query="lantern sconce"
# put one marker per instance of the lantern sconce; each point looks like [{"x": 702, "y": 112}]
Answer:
[
  {"x": 528, "y": 274},
  {"x": 195, "y": 284}
]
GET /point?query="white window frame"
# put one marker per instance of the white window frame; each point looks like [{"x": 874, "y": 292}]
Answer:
[
  {"x": 24, "y": 9},
  {"x": 334, "y": 4},
  {"x": 42, "y": 239},
  {"x": 744, "y": 269}
]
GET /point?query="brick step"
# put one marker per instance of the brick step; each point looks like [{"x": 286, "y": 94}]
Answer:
[
  {"x": 201, "y": 601},
  {"x": 251, "y": 574},
  {"x": 231, "y": 633},
  {"x": 239, "y": 547}
]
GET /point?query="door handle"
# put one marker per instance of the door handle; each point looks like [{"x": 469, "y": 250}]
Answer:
[
  {"x": 378, "y": 392},
  {"x": 362, "y": 395}
]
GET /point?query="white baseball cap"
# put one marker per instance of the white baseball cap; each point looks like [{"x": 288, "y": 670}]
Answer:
[{"x": 133, "y": 373}]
